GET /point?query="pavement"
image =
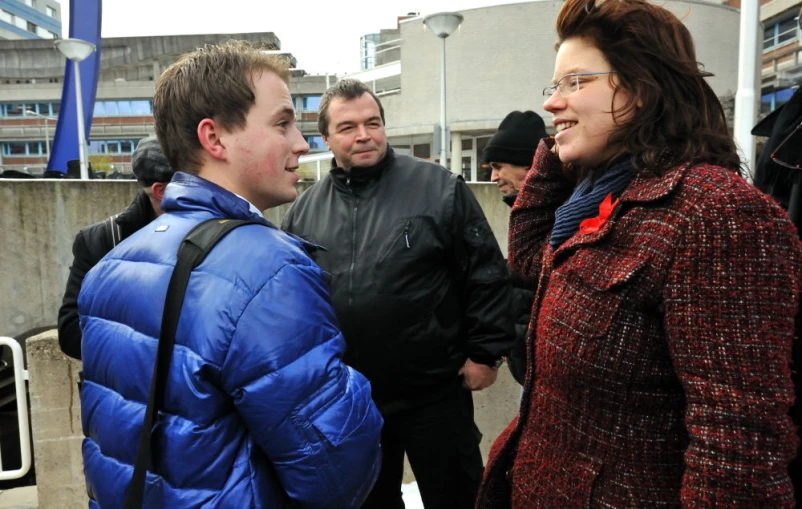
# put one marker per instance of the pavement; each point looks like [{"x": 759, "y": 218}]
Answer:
[
  {"x": 19, "y": 498},
  {"x": 25, "y": 498}
]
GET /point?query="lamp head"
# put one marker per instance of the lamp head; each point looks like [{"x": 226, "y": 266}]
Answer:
[
  {"x": 75, "y": 49},
  {"x": 443, "y": 24}
]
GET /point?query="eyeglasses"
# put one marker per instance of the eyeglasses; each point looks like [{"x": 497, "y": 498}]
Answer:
[
  {"x": 570, "y": 85},
  {"x": 775, "y": 157}
]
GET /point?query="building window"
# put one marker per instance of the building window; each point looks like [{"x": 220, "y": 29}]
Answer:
[
  {"x": 310, "y": 103},
  {"x": 44, "y": 34},
  {"x": 50, "y": 12},
  {"x": 135, "y": 107},
  {"x": 780, "y": 32},
  {"x": 31, "y": 27},
  {"x": 316, "y": 143},
  {"x": 20, "y": 23},
  {"x": 29, "y": 3},
  {"x": 15, "y": 148},
  {"x": 773, "y": 100},
  {"x": 6, "y": 16},
  {"x": 113, "y": 147}
]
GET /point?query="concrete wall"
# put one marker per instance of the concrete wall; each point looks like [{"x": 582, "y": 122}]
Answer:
[{"x": 39, "y": 220}]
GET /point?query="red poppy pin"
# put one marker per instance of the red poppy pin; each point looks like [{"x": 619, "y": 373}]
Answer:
[{"x": 594, "y": 224}]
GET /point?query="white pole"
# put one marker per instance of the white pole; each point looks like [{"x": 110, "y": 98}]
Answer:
[
  {"x": 79, "y": 107},
  {"x": 443, "y": 152},
  {"x": 746, "y": 96},
  {"x": 47, "y": 145}
]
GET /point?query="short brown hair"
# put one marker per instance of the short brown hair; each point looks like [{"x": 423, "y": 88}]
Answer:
[
  {"x": 347, "y": 89},
  {"x": 679, "y": 118},
  {"x": 215, "y": 81}
]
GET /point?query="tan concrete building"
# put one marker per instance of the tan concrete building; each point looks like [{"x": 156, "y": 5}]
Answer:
[
  {"x": 31, "y": 81},
  {"x": 498, "y": 61}
]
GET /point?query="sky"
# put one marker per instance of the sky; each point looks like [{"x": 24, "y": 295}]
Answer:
[{"x": 322, "y": 35}]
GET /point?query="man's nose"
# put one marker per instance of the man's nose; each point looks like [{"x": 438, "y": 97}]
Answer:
[
  {"x": 493, "y": 175},
  {"x": 362, "y": 133}
]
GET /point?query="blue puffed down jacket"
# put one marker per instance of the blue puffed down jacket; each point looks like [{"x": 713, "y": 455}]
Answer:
[{"x": 259, "y": 411}]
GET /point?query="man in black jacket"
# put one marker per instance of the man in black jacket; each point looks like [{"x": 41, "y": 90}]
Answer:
[
  {"x": 421, "y": 291},
  {"x": 153, "y": 172},
  {"x": 509, "y": 154}
]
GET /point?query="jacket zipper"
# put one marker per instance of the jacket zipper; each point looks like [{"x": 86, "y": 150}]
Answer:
[
  {"x": 353, "y": 246},
  {"x": 406, "y": 234}
]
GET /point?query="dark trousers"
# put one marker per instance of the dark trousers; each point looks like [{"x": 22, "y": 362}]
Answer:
[{"x": 441, "y": 442}]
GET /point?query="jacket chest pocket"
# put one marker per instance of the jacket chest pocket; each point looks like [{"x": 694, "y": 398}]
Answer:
[
  {"x": 582, "y": 304},
  {"x": 410, "y": 257}
]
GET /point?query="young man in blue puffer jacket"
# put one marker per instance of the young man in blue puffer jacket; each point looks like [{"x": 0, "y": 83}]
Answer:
[{"x": 259, "y": 410}]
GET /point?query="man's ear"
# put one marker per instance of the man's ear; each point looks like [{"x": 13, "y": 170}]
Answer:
[
  {"x": 210, "y": 137},
  {"x": 325, "y": 140},
  {"x": 157, "y": 190}
]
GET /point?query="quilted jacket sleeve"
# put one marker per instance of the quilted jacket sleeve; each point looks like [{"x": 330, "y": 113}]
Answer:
[
  {"x": 730, "y": 301},
  {"x": 311, "y": 414},
  {"x": 532, "y": 218}
]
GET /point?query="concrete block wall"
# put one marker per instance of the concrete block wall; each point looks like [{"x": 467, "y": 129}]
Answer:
[{"x": 56, "y": 424}]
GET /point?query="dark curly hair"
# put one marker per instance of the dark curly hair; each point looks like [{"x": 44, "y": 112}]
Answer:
[{"x": 675, "y": 115}]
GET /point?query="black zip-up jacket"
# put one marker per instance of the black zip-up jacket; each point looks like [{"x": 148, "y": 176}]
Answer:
[
  {"x": 416, "y": 276},
  {"x": 90, "y": 245}
]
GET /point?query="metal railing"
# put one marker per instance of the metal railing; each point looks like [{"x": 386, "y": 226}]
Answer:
[{"x": 20, "y": 377}]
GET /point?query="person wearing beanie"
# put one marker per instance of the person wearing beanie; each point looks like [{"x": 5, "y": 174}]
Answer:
[
  {"x": 510, "y": 151},
  {"x": 153, "y": 172},
  {"x": 509, "y": 154}
]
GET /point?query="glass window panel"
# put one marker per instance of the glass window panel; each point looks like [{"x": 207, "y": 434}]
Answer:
[
  {"x": 140, "y": 107},
  {"x": 311, "y": 103},
  {"x": 316, "y": 143},
  {"x": 16, "y": 148},
  {"x": 94, "y": 147},
  {"x": 467, "y": 143},
  {"x": 33, "y": 148},
  {"x": 766, "y": 104},
  {"x": 111, "y": 108},
  {"x": 51, "y": 12},
  {"x": 423, "y": 151},
  {"x": 31, "y": 27},
  {"x": 6, "y": 16},
  {"x": 126, "y": 147},
  {"x": 55, "y": 107},
  {"x": 114, "y": 147},
  {"x": 43, "y": 109},
  {"x": 15, "y": 110},
  {"x": 100, "y": 110},
  {"x": 20, "y": 23},
  {"x": 124, "y": 108}
]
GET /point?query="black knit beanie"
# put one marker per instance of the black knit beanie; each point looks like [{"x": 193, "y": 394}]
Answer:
[
  {"x": 149, "y": 162},
  {"x": 516, "y": 140}
]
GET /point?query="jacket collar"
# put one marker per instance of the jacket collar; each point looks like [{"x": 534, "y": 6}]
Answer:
[
  {"x": 643, "y": 188},
  {"x": 137, "y": 215},
  {"x": 362, "y": 176},
  {"x": 187, "y": 193},
  {"x": 509, "y": 199}
]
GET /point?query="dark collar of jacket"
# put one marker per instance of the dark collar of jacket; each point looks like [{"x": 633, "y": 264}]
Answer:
[
  {"x": 187, "y": 193},
  {"x": 137, "y": 215},
  {"x": 360, "y": 177},
  {"x": 509, "y": 199}
]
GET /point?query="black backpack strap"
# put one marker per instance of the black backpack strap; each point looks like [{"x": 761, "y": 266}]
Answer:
[
  {"x": 192, "y": 251},
  {"x": 113, "y": 231}
]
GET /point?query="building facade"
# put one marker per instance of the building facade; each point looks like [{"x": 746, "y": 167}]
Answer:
[
  {"x": 31, "y": 81},
  {"x": 498, "y": 61},
  {"x": 781, "y": 70},
  {"x": 30, "y": 19}
]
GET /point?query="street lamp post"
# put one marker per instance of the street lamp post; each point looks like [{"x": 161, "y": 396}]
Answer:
[
  {"x": 78, "y": 50},
  {"x": 442, "y": 25},
  {"x": 47, "y": 133}
]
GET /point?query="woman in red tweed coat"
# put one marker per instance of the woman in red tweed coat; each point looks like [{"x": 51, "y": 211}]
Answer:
[{"x": 658, "y": 356}]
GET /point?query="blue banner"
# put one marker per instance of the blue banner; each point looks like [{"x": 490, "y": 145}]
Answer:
[{"x": 85, "y": 18}]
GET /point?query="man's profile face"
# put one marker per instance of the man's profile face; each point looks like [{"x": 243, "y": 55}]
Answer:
[
  {"x": 264, "y": 153},
  {"x": 508, "y": 177},
  {"x": 356, "y": 132}
]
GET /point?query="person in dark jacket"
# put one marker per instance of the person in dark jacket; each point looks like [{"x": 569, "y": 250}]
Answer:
[
  {"x": 153, "y": 172},
  {"x": 259, "y": 410},
  {"x": 509, "y": 154},
  {"x": 421, "y": 291}
]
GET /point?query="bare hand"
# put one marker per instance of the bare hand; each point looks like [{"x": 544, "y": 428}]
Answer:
[{"x": 477, "y": 376}]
